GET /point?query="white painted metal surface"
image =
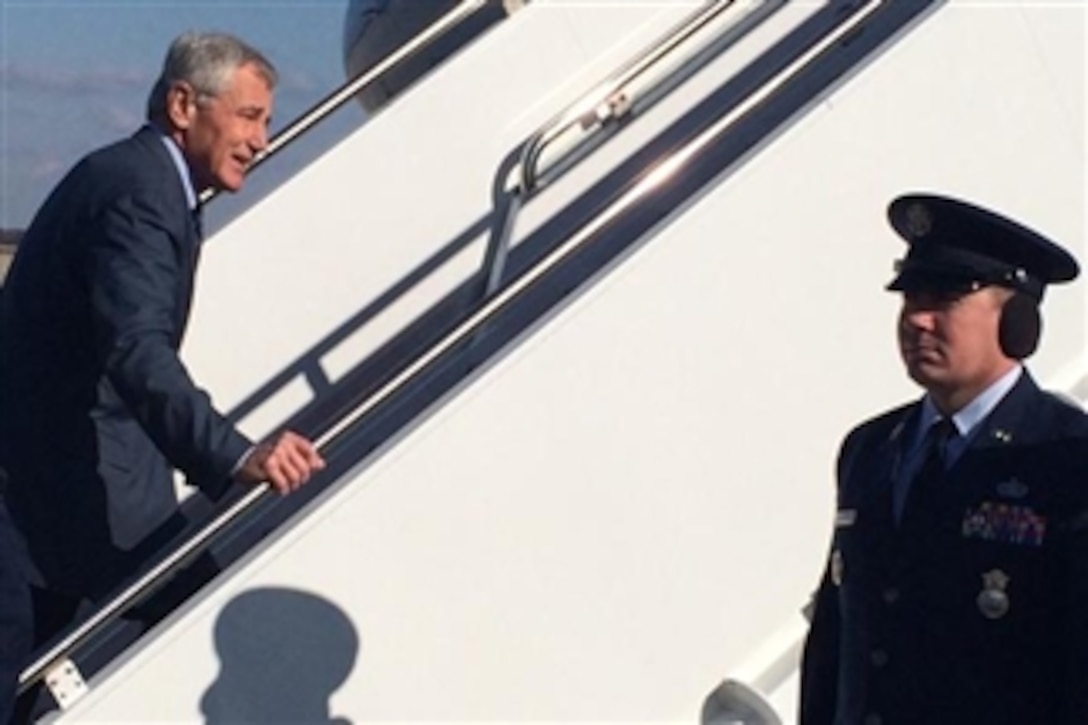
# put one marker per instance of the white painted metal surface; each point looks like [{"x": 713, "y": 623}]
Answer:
[
  {"x": 414, "y": 179},
  {"x": 633, "y": 503}
]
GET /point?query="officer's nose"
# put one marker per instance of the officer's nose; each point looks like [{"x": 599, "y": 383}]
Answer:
[{"x": 919, "y": 319}]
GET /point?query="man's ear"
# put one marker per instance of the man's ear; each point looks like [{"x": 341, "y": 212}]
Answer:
[{"x": 181, "y": 104}]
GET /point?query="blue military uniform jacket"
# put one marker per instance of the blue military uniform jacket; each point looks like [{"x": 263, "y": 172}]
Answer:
[
  {"x": 975, "y": 613},
  {"x": 95, "y": 405}
]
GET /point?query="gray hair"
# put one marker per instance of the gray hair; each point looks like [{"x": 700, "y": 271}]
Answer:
[{"x": 205, "y": 61}]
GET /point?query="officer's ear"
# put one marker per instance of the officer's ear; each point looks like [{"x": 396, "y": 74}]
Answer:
[
  {"x": 181, "y": 104},
  {"x": 1020, "y": 326}
]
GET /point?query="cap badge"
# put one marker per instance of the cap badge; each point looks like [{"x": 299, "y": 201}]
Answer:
[
  {"x": 993, "y": 600},
  {"x": 919, "y": 220}
]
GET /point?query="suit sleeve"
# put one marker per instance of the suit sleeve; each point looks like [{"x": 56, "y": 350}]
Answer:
[
  {"x": 820, "y": 659},
  {"x": 134, "y": 270}
]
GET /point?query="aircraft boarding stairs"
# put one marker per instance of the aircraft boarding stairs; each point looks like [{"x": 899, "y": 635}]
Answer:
[{"x": 579, "y": 354}]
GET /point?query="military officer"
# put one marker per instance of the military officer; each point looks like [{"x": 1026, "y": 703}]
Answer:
[{"x": 956, "y": 590}]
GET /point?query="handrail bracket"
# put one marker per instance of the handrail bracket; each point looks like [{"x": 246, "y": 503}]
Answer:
[{"x": 66, "y": 683}]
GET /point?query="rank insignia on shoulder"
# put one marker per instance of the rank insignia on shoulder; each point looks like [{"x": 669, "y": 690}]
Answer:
[
  {"x": 1004, "y": 523},
  {"x": 1012, "y": 488},
  {"x": 845, "y": 517}
]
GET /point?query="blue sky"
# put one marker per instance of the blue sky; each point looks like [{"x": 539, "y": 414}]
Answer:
[{"x": 74, "y": 75}]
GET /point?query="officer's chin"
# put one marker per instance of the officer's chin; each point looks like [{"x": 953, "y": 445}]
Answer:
[{"x": 924, "y": 372}]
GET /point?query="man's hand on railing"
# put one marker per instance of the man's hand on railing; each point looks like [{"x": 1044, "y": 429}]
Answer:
[{"x": 286, "y": 462}]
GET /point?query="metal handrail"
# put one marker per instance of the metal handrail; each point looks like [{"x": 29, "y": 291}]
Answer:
[
  {"x": 605, "y": 94},
  {"x": 655, "y": 176},
  {"x": 464, "y": 331},
  {"x": 595, "y": 106},
  {"x": 55, "y": 654},
  {"x": 322, "y": 109}
]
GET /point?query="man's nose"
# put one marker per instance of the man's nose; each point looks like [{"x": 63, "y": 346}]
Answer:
[
  {"x": 258, "y": 140},
  {"x": 918, "y": 318}
]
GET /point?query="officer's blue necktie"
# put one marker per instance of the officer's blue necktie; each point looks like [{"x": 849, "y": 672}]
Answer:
[{"x": 925, "y": 487}]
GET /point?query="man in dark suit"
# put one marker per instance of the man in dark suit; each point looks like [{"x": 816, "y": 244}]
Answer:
[
  {"x": 956, "y": 591},
  {"x": 96, "y": 408},
  {"x": 15, "y": 613}
]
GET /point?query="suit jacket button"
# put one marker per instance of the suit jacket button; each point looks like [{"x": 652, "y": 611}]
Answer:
[
  {"x": 873, "y": 719},
  {"x": 891, "y": 595},
  {"x": 878, "y": 657}
]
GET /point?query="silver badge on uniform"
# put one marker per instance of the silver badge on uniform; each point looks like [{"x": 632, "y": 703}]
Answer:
[{"x": 993, "y": 600}]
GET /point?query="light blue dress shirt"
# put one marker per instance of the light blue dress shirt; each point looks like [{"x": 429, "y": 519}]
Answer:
[
  {"x": 966, "y": 421},
  {"x": 190, "y": 196},
  {"x": 180, "y": 165}
]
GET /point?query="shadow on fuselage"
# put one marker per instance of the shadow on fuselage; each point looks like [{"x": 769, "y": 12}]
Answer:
[{"x": 282, "y": 653}]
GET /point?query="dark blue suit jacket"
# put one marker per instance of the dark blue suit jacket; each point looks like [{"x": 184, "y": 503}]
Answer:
[
  {"x": 95, "y": 405},
  {"x": 904, "y": 628},
  {"x": 16, "y": 625}
]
